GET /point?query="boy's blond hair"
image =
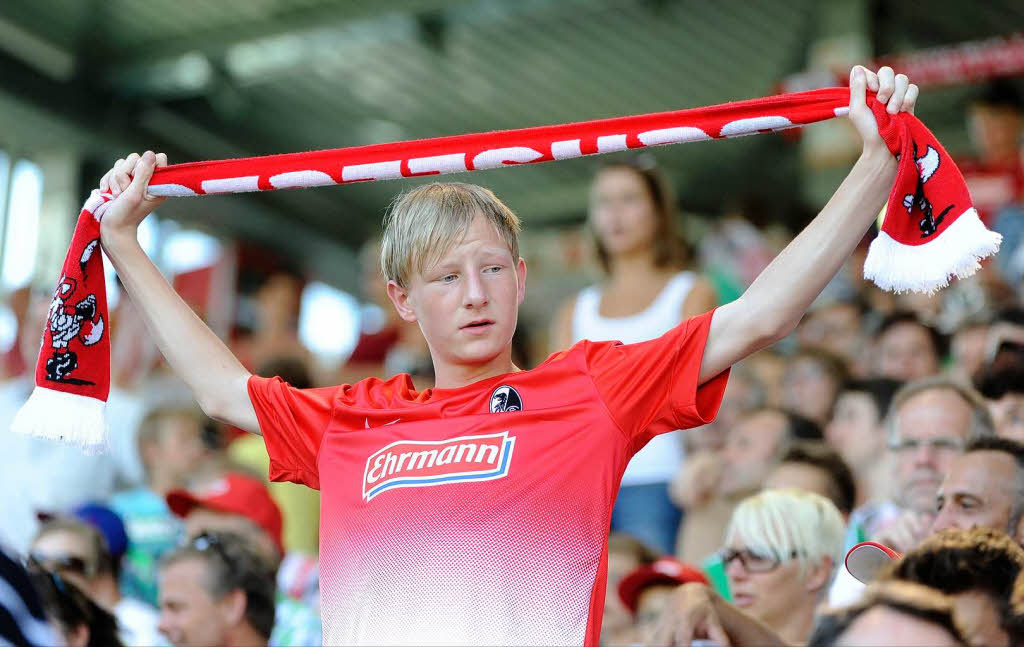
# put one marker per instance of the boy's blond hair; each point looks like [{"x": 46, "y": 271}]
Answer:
[{"x": 425, "y": 222}]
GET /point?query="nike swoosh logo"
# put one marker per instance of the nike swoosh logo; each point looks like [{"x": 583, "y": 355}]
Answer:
[{"x": 366, "y": 421}]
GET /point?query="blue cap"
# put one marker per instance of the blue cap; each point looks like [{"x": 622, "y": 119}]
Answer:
[{"x": 108, "y": 523}]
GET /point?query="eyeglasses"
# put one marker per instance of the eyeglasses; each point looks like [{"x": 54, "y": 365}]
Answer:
[
  {"x": 902, "y": 445},
  {"x": 752, "y": 562},
  {"x": 63, "y": 564}
]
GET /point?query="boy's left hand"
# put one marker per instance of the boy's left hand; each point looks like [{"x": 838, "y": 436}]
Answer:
[{"x": 894, "y": 90}]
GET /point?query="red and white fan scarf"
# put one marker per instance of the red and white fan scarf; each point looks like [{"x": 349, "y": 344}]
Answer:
[{"x": 930, "y": 234}]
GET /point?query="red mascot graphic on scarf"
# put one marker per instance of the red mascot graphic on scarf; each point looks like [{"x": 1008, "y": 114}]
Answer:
[
  {"x": 67, "y": 323},
  {"x": 927, "y": 164}
]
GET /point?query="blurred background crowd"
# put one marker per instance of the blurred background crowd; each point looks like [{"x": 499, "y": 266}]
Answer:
[{"x": 894, "y": 418}]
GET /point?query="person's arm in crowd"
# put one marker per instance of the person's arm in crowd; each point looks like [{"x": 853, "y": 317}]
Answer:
[
  {"x": 697, "y": 612},
  {"x": 772, "y": 306},
  {"x": 215, "y": 376}
]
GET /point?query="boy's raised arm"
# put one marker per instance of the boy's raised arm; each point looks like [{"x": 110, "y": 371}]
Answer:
[
  {"x": 772, "y": 306},
  {"x": 217, "y": 379}
]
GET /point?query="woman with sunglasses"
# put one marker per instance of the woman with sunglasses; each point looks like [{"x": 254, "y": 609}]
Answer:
[{"x": 781, "y": 550}]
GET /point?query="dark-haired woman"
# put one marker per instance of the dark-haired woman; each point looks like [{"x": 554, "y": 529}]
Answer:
[{"x": 648, "y": 291}]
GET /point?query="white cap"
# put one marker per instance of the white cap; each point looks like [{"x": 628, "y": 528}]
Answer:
[{"x": 867, "y": 558}]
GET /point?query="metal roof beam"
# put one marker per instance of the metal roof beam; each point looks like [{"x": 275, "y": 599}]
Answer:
[
  {"x": 216, "y": 40},
  {"x": 36, "y": 112}
]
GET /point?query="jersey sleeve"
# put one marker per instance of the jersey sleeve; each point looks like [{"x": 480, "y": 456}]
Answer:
[
  {"x": 651, "y": 387},
  {"x": 293, "y": 422}
]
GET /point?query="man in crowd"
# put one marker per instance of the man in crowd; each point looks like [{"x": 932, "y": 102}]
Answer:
[
  {"x": 930, "y": 423},
  {"x": 711, "y": 488},
  {"x": 76, "y": 550},
  {"x": 816, "y": 467},
  {"x": 857, "y": 431},
  {"x": 985, "y": 487},
  {"x": 811, "y": 383},
  {"x": 906, "y": 348},
  {"x": 983, "y": 490},
  {"x": 1004, "y": 390},
  {"x": 241, "y": 504},
  {"x": 217, "y": 590}
]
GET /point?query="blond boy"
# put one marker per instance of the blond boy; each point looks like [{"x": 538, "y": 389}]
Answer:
[{"x": 477, "y": 512}]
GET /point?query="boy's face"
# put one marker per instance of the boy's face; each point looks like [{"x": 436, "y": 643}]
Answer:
[{"x": 467, "y": 302}]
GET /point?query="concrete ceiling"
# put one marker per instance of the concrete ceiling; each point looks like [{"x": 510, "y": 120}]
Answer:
[{"x": 206, "y": 79}]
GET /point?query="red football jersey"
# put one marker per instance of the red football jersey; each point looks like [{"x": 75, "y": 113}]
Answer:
[{"x": 479, "y": 515}]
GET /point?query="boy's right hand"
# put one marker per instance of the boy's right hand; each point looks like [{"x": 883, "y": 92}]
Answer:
[{"x": 127, "y": 180}]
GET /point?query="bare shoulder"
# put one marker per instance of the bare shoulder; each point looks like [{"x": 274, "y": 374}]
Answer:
[{"x": 702, "y": 297}]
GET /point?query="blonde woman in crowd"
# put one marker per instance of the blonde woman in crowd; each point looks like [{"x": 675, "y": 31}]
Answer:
[{"x": 781, "y": 550}]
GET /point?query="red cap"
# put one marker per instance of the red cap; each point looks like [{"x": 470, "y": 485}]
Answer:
[
  {"x": 867, "y": 558},
  {"x": 666, "y": 570},
  {"x": 233, "y": 493}
]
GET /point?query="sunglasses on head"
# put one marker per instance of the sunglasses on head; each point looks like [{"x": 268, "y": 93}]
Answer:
[{"x": 205, "y": 541}]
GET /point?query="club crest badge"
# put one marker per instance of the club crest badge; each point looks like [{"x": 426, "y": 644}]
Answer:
[{"x": 505, "y": 398}]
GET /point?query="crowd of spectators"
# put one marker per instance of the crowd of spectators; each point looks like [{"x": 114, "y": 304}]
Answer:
[
  {"x": 904, "y": 412},
  {"x": 889, "y": 418}
]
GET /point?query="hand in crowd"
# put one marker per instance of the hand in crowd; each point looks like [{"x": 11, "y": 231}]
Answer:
[
  {"x": 691, "y": 615},
  {"x": 906, "y": 531},
  {"x": 695, "y": 485}
]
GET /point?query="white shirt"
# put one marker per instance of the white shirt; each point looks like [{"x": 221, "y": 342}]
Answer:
[
  {"x": 41, "y": 474},
  {"x": 137, "y": 624},
  {"x": 660, "y": 459}
]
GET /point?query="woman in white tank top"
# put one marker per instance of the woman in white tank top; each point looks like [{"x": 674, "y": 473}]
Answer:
[{"x": 647, "y": 292}]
